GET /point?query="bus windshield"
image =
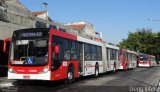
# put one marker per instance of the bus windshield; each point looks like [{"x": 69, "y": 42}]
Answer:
[
  {"x": 29, "y": 52},
  {"x": 144, "y": 57}
]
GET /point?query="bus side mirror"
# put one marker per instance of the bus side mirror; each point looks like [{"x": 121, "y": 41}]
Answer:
[{"x": 56, "y": 49}]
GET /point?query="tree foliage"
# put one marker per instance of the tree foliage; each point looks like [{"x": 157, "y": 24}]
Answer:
[
  {"x": 143, "y": 40},
  {"x": 111, "y": 43}
]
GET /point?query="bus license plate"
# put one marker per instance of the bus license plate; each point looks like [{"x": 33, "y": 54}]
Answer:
[{"x": 26, "y": 77}]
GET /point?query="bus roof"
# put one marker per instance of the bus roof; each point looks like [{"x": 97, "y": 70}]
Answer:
[{"x": 112, "y": 46}]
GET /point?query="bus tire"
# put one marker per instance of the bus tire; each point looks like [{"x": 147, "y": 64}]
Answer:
[
  {"x": 96, "y": 71},
  {"x": 70, "y": 76}
]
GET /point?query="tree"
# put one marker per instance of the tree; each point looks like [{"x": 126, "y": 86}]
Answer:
[
  {"x": 143, "y": 40},
  {"x": 111, "y": 43}
]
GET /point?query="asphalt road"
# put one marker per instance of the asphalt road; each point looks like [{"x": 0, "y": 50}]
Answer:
[{"x": 136, "y": 80}]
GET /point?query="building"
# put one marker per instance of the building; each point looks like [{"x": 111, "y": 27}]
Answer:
[
  {"x": 14, "y": 15},
  {"x": 83, "y": 27},
  {"x": 42, "y": 15}
]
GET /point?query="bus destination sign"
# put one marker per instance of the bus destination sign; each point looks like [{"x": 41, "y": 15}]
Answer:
[{"x": 31, "y": 34}]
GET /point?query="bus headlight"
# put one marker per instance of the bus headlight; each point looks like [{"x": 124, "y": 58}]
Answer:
[
  {"x": 45, "y": 70},
  {"x": 11, "y": 70}
]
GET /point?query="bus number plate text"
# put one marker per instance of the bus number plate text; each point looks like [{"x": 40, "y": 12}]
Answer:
[{"x": 26, "y": 77}]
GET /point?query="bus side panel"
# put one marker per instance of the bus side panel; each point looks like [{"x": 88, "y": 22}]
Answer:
[
  {"x": 122, "y": 61},
  {"x": 61, "y": 73}
]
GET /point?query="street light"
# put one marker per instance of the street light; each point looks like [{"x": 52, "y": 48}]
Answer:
[
  {"x": 155, "y": 20},
  {"x": 46, "y": 5}
]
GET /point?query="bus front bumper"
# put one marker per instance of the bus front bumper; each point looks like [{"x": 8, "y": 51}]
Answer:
[
  {"x": 43, "y": 76},
  {"x": 143, "y": 65}
]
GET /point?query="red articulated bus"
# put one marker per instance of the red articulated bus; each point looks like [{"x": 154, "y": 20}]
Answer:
[
  {"x": 146, "y": 60},
  {"x": 50, "y": 54},
  {"x": 120, "y": 59}
]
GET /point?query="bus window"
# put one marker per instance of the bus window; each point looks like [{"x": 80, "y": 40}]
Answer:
[
  {"x": 113, "y": 55},
  {"x": 73, "y": 50},
  {"x": 57, "y": 49},
  {"x": 57, "y": 52},
  {"x": 93, "y": 50},
  {"x": 29, "y": 52},
  {"x": 87, "y": 50},
  {"x": 56, "y": 55},
  {"x": 144, "y": 57},
  {"x": 107, "y": 53},
  {"x": 67, "y": 51},
  {"x": 99, "y": 53}
]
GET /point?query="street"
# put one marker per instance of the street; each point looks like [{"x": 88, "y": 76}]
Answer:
[{"x": 136, "y": 80}]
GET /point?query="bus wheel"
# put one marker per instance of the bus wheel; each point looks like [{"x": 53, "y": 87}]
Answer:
[
  {"x": 70, "y": 76},
  {"x": 96, "y": 71}
]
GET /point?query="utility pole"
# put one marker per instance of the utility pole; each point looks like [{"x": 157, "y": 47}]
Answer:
[{"x": 46, "y": 6}]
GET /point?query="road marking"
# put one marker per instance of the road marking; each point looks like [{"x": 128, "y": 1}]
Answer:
[{"x": 158, "y": 87}]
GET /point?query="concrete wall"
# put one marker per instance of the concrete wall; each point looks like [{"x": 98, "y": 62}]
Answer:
[{"x": 6, "y": 29}]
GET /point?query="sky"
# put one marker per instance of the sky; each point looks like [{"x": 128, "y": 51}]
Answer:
[{"x": 114, "y": 18}]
